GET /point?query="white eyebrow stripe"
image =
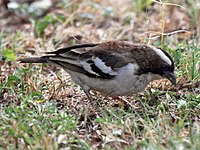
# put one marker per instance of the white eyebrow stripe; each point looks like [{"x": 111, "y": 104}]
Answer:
[
  {"x": 102, "y": 66},
  {"x": 162, "y": 55}
]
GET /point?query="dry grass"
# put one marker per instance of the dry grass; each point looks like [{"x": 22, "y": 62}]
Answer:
[{"x": 42, "y": 109}]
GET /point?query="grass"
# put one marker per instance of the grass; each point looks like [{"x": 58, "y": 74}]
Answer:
[{"x": 42, "y": 109}]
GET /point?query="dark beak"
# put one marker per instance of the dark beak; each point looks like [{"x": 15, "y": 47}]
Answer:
[{"x": 170, "y": 76}]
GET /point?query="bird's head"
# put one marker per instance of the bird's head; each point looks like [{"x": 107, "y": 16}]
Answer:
[{"x": 164, "y": 65}]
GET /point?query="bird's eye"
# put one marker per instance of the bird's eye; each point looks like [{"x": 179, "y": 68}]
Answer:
[
  {"x": 164, "y": 69},
  {"x": 167, "y": 68}
]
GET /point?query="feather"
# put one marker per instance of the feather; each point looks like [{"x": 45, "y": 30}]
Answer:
[
  {"x": 32, "y": 60},
  {"x": 103, "y": 67}
]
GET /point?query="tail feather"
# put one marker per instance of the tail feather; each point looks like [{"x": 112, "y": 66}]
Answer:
[{"x": 33, "y": 60}]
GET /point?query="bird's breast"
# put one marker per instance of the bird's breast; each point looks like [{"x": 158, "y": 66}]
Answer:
[{"x": 126, "y": 82}]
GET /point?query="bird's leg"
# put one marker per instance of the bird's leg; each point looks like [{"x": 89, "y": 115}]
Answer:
[
  {"x": 122, "y": 102},
  {"x": 86, "y": 89},
  {"x": 92, "y": 103},
  {"x": 87, "y": 92},
  {"x": 106, "y": 96},
  {"x": 105, "y": 99}
]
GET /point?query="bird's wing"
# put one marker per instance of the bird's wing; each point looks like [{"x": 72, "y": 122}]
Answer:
[{"x": 94, "y": 60}]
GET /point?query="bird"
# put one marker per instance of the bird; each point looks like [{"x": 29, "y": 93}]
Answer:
[{"x": 113, "y": 68}]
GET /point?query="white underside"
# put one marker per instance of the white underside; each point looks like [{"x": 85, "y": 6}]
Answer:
[{"x": 125, "y": 83}]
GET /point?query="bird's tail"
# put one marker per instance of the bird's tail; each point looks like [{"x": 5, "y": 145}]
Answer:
[{"x": 33, "y": 60}]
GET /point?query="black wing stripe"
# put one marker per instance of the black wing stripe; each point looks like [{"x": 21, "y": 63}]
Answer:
[
  {"x": 75, "y": 68},
  {"x": 98, "y": 71}
]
